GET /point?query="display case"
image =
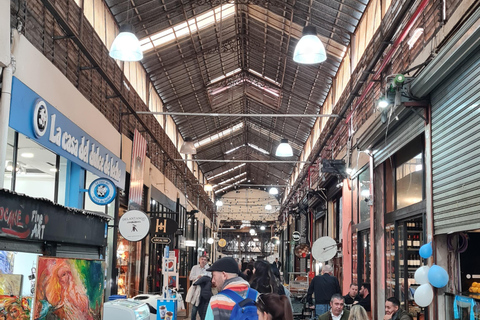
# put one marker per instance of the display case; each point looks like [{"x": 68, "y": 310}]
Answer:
[{"x": 403, "y": 239}]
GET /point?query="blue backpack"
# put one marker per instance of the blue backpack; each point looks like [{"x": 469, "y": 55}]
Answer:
[{"x": 244, "y": 309}]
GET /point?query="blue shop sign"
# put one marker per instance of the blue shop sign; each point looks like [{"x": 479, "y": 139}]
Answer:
[{"x": 34, "y": 117}]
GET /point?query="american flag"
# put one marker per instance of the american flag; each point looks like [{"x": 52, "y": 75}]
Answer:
[{"x": 139, "y": 151}]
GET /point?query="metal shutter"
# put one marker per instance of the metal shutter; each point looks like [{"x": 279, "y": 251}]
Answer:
[
  {"x": 405, "y": 132},
  {"x": 456, "y": 149},
  {"x": 77, "y": 252}
]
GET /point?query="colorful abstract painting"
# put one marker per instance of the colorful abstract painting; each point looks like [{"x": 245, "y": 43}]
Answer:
[
  {"x": 6, "y": 262},
  {"x": 10, "y": 284},
  {"x": 69, "y": 289},
  {"x": 15, "y": 308}
]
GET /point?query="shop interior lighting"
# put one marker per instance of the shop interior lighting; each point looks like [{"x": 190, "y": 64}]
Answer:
[
  {"x": 284, "y": 149},
  {"x": 190, "y": 243},
  {"x": 309, "y": 49},
  {"x": 208, "y": 187},
  {"x": 273, "y": 191},
  {"x": 126, "y": 46},
  {"x": 383, "y": 102},
  {"x": 262, "y": 228},
  {"x": 27, "y": 155},
  {"x": 210, "y": 241},
  {"x": 188, "y": 147},
  {"x": 253, "y": 232}
]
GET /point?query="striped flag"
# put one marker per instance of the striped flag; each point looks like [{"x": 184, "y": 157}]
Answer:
[{"x": 139, "y": 151}]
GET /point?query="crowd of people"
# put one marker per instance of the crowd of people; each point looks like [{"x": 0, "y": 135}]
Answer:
[{"x": 253, "y": 290}]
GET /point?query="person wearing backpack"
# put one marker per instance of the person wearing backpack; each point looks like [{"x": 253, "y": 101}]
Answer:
[{"x": 235, "y": 299}]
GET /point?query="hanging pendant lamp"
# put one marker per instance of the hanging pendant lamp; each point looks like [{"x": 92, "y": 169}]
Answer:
[
  {"x": 284, "y": 149},
  {"x": 309, "y": 49},
  {"x": 126, "y": 46},
  {"x": 188, "y": 146}
]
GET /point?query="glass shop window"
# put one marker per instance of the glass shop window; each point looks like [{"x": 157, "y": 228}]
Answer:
[
  {"x": 62, "y": 181},
  {"x": 409, "y": 174},
  {"x": 35, "y": 169},
  {"x": 364, "y": 197}
]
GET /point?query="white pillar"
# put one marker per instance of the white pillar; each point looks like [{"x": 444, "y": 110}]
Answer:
[{"x": 4, "y": 116}]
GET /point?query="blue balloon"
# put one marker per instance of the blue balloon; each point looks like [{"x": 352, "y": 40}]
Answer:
[
  {"x": 426, "y": 250},
  {"x": 437, "y": 276}
]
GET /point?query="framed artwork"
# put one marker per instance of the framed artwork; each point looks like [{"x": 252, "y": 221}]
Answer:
[
  {"x": 69, "y": 289},
  {"x": 170, "y": 265},
  {"x": 10, "y": 284},
  {"x": 18, "y": 308},
  {"x": 172, "y": 281}
]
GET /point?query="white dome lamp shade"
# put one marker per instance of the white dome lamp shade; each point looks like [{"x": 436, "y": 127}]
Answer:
[
  {"x": 284, "y": 149},
  {"x": 126, "y": 46},
  {"x": 309, "y": 49},
  {"x": 188, "y": 146}
]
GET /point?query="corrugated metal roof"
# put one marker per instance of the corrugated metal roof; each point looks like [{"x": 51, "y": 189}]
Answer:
[{"x": 256, "y": 44}]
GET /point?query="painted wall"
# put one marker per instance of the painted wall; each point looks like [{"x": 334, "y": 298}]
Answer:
[{"x": 38, "y": 73}]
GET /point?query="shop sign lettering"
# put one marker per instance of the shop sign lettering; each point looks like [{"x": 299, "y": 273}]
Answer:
[
  {"x": 15, "y": 223},
  {"x": 53, "y": 130}
]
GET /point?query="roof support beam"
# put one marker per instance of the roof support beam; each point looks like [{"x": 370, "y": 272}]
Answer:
[{"x": 247, "y": 115}]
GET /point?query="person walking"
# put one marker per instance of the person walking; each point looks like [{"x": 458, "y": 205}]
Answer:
[
  {"x": 394, "y": 312},
  {"x": 196, "y": 273},
  {"x": 264, "y": 281},
  {"x": 272, "y": 306},
  {"x": 357, "y": 312},
  {"x": 337, "y": 311},
  {"x": 324, "y": 286},
  {"x": 225, "y": 277}
]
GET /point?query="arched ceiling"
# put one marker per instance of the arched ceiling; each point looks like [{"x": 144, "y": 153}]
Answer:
[{"x": 239, "y": 61}]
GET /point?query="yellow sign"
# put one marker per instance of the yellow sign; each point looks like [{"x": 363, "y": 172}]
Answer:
[{"x": 222, "y": 243}]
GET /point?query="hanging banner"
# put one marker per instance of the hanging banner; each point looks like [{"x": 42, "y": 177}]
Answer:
[{"x": 139, "y": 150}]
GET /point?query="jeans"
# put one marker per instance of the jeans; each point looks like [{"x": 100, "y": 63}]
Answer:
[
  {"x": 194, "y": 312},
  {"x": 320, "y": 309}
]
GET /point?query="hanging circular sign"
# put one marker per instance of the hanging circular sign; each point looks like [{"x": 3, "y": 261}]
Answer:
[
  {"x": 222, "y": 243},
  {"x": 296, "y": 236},
  {"x": 134, "y": 225},
  {"x": 102, "y": 191}
]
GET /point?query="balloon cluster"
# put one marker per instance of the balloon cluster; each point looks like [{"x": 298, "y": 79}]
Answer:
[{"x": 427, "y": 277}]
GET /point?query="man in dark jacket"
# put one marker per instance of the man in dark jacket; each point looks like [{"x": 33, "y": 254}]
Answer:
[
  {"x": 324, "y": 286},
  {"x": 337, "y": 312},
  {"x": 393, "y": 311},
  {"x": 205, "y": 284},
  {"x": 365, "y": 300}
]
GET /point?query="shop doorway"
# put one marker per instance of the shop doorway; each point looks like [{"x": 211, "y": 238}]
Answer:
[{"x": 403, "y": 240}]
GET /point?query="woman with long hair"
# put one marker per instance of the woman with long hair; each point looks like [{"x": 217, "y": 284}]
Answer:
[
  {"x": 357, "y": 312},
  {"x": 272, "y": 306},
  {"x": 264, "y": 280}
]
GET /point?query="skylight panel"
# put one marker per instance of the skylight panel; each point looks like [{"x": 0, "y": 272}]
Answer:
[
  {"x": 232, "y": 185},
  {"x": 185, "y": 28},
  {"x": 236, "y": 148},
  {"x": 258, "y": 148},
  {"x": 230, "y": 180},
  {"x": 258, "y": 74},
  {"x": 219, "y": 135},
  {"x": 226, "y": 171},
  {"x": 228, "y": 74}
]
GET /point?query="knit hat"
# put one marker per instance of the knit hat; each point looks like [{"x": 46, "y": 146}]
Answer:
[{"x": 227, "y": 264}]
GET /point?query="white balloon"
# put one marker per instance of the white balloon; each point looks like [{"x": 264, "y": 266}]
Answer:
[
  {"x": 424, "y": 295},
  {"x": 421, "y": 275}
]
